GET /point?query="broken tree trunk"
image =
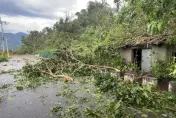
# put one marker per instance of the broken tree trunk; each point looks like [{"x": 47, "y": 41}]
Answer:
[
  {"x": 104, "y": 67},
  {"x": 67, "y": 78}
]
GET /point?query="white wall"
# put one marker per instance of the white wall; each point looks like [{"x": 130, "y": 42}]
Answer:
[
  {"x": 146, "y": 60},
  {"x": 159, "y": 53},
  {"x": 127, "y": 54}
]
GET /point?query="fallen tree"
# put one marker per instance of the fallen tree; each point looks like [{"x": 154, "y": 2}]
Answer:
[
  {"x": 132, "y": 95},
  {"x": 64, "y": 66}
]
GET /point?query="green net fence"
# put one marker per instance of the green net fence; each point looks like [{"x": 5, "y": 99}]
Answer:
[{"x": 47, "y": 54}]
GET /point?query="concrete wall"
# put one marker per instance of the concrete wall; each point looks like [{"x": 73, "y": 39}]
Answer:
[
  {"x": 170, "y": 50},
  {"x": 159, "y": 52},
  {"x": 146, "y": 80},
  {"x": 127, "y": 54},
  {"x": 172, "y": 87}
]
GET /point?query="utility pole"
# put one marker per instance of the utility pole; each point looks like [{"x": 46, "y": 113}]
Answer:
[
  {"x": 3, "y": 39},
  {"x": 2, "y": 36},
  {"x": 7, "y": 48}
]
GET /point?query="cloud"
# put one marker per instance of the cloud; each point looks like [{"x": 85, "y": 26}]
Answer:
[
  {"x": 27, "y": 15},
  {"x": 25, "y": 24},
  {"x": 50, "y": 9},
  {"x": 9, "y": 7}
]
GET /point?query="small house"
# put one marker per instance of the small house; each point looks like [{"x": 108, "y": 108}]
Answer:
[{"x": 145, "y": 50}]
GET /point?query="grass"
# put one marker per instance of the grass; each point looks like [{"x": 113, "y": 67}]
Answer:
[
  {"x": 3, "y": 59},
  {"x": 4, "y": 86}
]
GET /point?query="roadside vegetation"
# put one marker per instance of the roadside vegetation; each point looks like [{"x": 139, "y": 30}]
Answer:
[
  {"x": 85, "y": 50},
  {"x": 3, "y": 59}
]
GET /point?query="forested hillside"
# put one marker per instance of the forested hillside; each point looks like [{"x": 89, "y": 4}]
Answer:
[
  {"x": 94, "y": 27},
  {"x": 14, "y": 40},
  {"x": 101, "y": 26}
]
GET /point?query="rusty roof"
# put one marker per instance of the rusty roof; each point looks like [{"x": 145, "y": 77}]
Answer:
[{"x": 152, "y": 40}]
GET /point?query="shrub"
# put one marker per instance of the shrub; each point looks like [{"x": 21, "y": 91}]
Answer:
[
  {"x": 3, "y": 59},
  {"x": 108, "y": 56},
  {"x": 134, "y": 94},
  {"x": 105, "y": 81},
  {"x": 172, "y": 68},
  {"x": 19, "y": 88},
  {"x": 164, "y": 70},
  {"x": 160, "y": 69}
]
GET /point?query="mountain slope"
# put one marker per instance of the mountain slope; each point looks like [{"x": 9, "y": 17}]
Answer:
[{"x": 14, "y": 40}]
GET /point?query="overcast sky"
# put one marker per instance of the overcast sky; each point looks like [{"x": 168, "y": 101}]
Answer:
[{"x": 27, "y": 15}]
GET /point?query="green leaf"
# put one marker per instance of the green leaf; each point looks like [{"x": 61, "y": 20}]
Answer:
[
  {"x": 160, "y": 26},
  {"x": 117, "y": 106},
  {"x": 165, "y": 115},
  {"x": 11, "y": 97},
  {"x": 152, "y": 29},
  {"x": 145, "y": 94},
  {"x": 174, "y": 12},
  {"x": 144, "y": 115},
  {"x": 90, "y": 112},
  {"x": 149, "y": 28}
]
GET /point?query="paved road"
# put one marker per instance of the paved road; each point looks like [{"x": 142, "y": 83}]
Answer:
[
  {"x": 17, "y": 62},
  {"x": 26, "y": 103}
]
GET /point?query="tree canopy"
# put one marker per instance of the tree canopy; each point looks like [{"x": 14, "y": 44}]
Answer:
[{"x": 100, "y": 25}]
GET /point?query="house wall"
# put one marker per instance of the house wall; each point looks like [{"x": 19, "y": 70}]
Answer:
[
  {"x": 170, "y": 50},
  {"x": 126, "y": 54},
  {"x": 159, "y": 52}
]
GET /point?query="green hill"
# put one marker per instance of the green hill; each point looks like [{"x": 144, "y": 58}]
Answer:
[{"x": 14, "y": 40}]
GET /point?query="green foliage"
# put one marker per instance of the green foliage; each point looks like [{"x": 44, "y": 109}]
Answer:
[
  {"x": 3, "y": 59},
  {"x": 133, "y": 94},
  {"x": 30, "y": 71},
  {"x": 124, "y": 100},
  {"x": 130, "y": 67},
  {"x": 108, "y": 56},
  {"x": 143, "y": 96},
  {"x": 113, "y": 98},
  {"x": 70, "y": 32},
  {"x": 98, "y": 26},
  {"x": 164, "y": 70},
  {"x": 4, "y": 86},
  {"x": 161, "y": 69},
  {"x": 172, "y": 68},
  {"x": 103, "y": 83},
  {"x": 158, "y": 13},
  {"x": 19, "y": 88},
  {"x": 93, "y": 38}
]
